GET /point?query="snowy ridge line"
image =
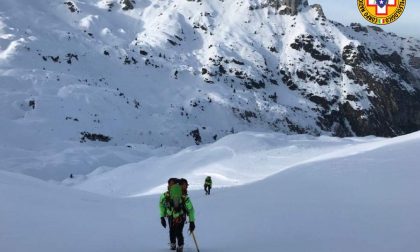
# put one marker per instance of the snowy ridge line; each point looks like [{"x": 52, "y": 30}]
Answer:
[
  {"x": 345, "y": 151},
  {"x": 243, "y": 164},
  {"x": 361, "y": 148}
]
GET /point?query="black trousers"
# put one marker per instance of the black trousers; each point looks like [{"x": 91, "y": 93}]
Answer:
[
  {"x": 207, "y": 189},
  {"x": 175, "y": 230}
]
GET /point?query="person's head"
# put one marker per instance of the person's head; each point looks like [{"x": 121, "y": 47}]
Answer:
[
  {"x": 184, "y": 184},
  {"x": 171, "y": 181}
]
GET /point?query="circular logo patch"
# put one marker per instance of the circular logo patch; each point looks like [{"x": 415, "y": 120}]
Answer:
[{"x": 381, "y": 12}]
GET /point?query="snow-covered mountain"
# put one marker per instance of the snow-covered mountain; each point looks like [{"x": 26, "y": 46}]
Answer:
[
  {"x": 118, "y": 93},
  {"x": 176, "y": 73}
]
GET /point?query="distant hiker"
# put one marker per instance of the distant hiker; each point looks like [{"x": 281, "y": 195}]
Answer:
[
  {"x": 71, "y": 175},
  {"x": 207, "y": 185},
  {"x": 176, "y": 205}
]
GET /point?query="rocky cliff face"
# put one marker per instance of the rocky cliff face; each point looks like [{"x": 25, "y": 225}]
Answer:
[
  {"x": 394, "y": 110},
  {"x": 286, "y": 7},
  {"x": 294, "y": 6}
]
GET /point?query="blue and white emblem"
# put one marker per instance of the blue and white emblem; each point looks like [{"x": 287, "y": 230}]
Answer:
[{"x": 381, "y": 3}]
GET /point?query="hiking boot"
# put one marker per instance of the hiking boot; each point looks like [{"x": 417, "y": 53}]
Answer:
[
  {"x": 180, "y": 248},
  {"x": 173, "y": 246}
]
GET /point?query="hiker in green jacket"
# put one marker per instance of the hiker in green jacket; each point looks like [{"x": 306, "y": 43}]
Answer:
[
  {"x": 176, "y": 205},
  {"x": 207, "y": 185}
]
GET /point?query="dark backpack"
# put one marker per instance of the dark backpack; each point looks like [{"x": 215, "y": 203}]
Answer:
[
  {"x": 208, "y": 180},
  {"x": 176, "y": 202}
]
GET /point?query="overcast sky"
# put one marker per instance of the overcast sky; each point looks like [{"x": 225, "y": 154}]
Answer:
[{"x": 346, "y": 12}]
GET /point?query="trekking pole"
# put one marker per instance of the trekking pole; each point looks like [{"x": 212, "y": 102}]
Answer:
[{"x": 195, "y": 241}]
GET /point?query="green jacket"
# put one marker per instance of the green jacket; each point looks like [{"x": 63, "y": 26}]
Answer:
[
  {"x": 166, "y": 210},
  {"x": 208, "y": 182},
  {"x": 164, "y": 204}
]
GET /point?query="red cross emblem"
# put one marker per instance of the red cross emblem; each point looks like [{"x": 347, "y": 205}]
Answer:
[{"x": 381, "y": 10}]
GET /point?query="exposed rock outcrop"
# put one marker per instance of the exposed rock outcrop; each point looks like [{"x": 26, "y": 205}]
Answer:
[
  {"x": 288, "y": 7},
  {"x": 127, "y": 4}
]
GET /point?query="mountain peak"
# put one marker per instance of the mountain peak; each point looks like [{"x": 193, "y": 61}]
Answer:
[
  {"x": 158, "y": 74},
  {"x": 291, "y": 7}
]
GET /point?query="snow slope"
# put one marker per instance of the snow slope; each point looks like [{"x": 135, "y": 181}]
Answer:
[
  {"x": 361, "y": 195},
  {"x": 233, "y": 160}
]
